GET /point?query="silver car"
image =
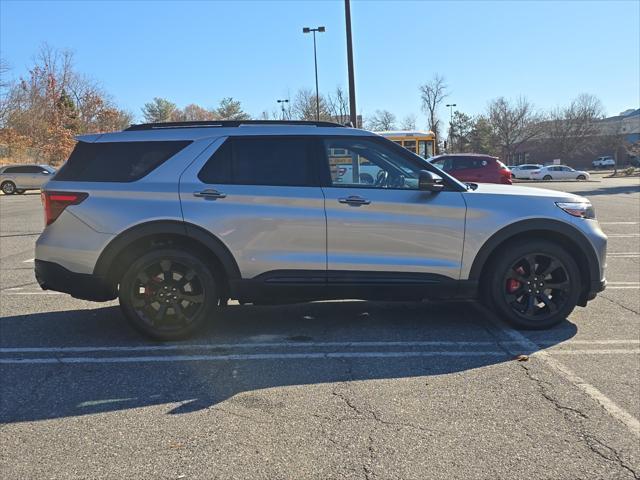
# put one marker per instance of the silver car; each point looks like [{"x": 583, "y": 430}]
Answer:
[
  {"x": 20, "y": 178},
  {"x": 175, "y": 219}
]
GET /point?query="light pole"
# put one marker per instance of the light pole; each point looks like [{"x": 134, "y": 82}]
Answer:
[
  {"x": 315, "y": 61},
  {"x": 450, "y": 105},
  {"x": 282, "y": 102}
]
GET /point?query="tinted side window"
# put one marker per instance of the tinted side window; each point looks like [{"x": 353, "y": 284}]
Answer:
[
  {"x": 274, "y": 161},
  {"x": 116, "y": 161},
  {"x": 12, "y": 170}
]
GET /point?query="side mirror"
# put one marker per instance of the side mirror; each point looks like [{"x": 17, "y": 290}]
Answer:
[{"x": 429, "y": 182}]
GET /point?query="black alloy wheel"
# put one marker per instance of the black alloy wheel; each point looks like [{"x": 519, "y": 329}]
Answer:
[
  {"x": 535, "y": 284},
  {"x": 168, "y": 294}
]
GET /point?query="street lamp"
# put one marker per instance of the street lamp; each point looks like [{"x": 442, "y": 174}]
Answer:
[
  {"x": 450, "y": 105},
  {"x": 282, "y": 102},
  {"x": 315, "y": 61}
]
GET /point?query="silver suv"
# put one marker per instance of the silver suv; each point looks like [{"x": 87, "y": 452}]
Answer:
[
  {"x": 20, "y": 178},
  {"x": 175, "y": 219}
]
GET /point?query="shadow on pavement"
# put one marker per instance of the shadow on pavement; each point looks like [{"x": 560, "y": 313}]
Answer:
[
  {"x": 623, "y": 189},
  {"x": 454, "y": 336}
]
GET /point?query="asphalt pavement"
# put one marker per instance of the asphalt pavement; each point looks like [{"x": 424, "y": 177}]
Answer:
[{"x": 349, "y": 389}]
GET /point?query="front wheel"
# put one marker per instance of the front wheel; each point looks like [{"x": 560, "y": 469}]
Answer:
[
  {"x": 168, "y": 294},
  {"x": 581, "y": 177},
  {"x": 534, "y": 284}
]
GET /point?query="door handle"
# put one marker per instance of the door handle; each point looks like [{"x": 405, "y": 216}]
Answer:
[
  {"x": 210, "y": 193},
  {"x": 355, "y": 200}
]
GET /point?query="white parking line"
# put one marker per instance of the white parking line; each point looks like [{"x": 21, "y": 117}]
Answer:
[
  {"x": 623, "y": 235},
  {"x": 31, "y": 260},
  {"x": 252, "y": 356},
  {"x": 609, "y": 405},
  {"x": 289, "y": 356},
  {"x": 618, "y": 223}
]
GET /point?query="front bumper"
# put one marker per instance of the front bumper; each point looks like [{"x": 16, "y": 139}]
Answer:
[{"x": 51, "y": 276}]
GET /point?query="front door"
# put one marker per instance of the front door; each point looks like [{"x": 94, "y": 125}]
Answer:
[{"x": 389, "y": 231}]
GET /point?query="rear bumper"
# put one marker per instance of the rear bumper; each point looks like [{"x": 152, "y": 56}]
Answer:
[{"x": 51, "y": 276}]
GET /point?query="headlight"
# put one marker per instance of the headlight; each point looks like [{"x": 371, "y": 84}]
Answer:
[{"x": 578, "y": 209}]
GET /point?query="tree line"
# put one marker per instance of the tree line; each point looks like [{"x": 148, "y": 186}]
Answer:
[{"x": 42, "y": 112}]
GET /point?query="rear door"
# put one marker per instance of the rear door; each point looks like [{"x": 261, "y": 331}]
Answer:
[
  {"x": 261, "y": 197},
  {"x": 390, "y": 232}
]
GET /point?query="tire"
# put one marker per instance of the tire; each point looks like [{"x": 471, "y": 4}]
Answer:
[
  {"x": 8, "y": 187},
  {"x": 20, "y": 192},
  {"x": 547, "y": 177},
  {"x": 550, "y": 297},
  {"x": 581, "y": 177},
  {"x": 168, "y": 294}
]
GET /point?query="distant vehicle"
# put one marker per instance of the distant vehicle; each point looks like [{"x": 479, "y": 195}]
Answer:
[
  {"x": 472, "y": 167},
  {"x": 524, "y": 171},
  {"x": 20, "y": 178},
  {"x": 559, "y": 172},
  {"x": 603, "y": 162},
  {"x": 416, "y": 141}
]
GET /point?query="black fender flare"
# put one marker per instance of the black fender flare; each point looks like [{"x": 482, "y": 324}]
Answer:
[
  {"x": 164, "y": 227},
  {"x": 571, "y": 233}
]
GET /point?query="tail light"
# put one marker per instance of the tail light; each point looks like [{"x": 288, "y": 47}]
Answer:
[
  {"x": 54, "y": 203},
  {"x": 506, "y": 176}
]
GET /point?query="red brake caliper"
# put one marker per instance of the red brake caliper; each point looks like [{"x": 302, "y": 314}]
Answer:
[{"x": 512, "y": 283}]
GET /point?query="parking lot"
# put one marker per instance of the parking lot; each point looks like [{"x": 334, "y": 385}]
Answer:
[{"x": 322, "y": 390}]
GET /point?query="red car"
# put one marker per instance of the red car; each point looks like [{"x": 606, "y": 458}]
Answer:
[{"x": 473, "y": 167}]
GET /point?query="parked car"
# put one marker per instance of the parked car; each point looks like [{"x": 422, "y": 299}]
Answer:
[
  {"x": 20, "y": 178},
  {"x": 175, "y": 219},
  {"x": 524, "y": 171},
  {"x": 471, "y": 167},
  {"x": 603, "y": 162},
  {"x": 559, "y": 172}
]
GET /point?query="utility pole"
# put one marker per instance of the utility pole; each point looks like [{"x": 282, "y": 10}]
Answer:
[
  {"x": 450, "y": 105},
  {"x": 352, "y": 82}
]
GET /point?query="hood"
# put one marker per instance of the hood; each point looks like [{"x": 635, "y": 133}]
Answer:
[{"x": 498, "y": 189}]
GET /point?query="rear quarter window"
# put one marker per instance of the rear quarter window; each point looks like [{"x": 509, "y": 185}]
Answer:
[{"x": 116, "y": 161}]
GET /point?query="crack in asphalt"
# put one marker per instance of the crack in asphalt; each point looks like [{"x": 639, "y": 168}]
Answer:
[
  {"x": 618, "y": 304},
  {"x": 573, "y": 416}
]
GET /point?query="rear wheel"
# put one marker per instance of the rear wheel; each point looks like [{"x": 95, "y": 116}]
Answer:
[
  {"x": 581, "y": 177},
  {"x": 535, "y": 284},
  {"x": 168, "y": 294},
  {"x": 547, "y": 177},
  {"x": 8, "y": 188}
]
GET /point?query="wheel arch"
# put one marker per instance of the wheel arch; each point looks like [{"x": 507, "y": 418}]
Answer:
[
  {"x": 129, "y": 244},
  {"x": 571, "y": 239}
]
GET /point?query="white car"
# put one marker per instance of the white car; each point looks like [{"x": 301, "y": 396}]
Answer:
[
  {"x": 559, "y": 172},
  {"x": 524, "y": 171},
  {"x": 603, "y": 162}
]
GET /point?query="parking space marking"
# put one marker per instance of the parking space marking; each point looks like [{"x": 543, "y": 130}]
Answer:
[
  {"x": 623, "y": 235},
  {"x": 499, "y": 328},
  {"x": 294, "y": 356},
  {"x": 30, "y": 260},
  {"x": 618, "y": 223},
  {"x": 256, "y": 345}
]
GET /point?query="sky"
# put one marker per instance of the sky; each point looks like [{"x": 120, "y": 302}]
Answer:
[{"x": 255, "y": 51}]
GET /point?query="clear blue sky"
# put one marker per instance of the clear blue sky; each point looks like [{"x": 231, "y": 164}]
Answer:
[{"x": 199, "y": 52}]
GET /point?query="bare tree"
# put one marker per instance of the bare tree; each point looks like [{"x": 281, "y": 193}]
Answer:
[
  {"x": 382, "y": 120},
  {"x": 514, "y": 123},
  {"x": 409, "y": 122},
  {"x": 338, "y": 105},
  {"x": 433, "y": 94},
  {"x": 570, "y": 130},
  {"x": 304, "y": 106}
]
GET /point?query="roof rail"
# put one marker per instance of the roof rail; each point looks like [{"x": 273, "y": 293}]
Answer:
[{"x": 227, "y": 123}]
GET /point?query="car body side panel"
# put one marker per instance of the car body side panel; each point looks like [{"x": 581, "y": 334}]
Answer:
[{"x": 399, "y": 231}]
